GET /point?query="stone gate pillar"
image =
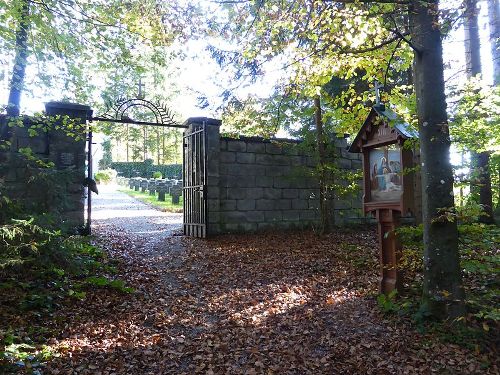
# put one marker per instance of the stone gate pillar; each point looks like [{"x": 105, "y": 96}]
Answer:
[{"x": 67, "y": 152}]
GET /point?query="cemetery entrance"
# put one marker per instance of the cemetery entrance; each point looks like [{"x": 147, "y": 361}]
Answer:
[{"x": 140, "y": 111}]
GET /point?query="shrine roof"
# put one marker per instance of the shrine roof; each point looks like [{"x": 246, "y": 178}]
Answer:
[{"x": 402, "y": 128}]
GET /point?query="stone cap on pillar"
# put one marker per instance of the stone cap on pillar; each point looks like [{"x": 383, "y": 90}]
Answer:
[
  {"x": 71, "y": 109},
  {"x": 200, "y": 120}
]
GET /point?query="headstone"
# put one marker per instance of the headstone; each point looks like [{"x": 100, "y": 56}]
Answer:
[
  {"x": 175, "y": 192},
  {"x": 144, "y": 185},
  {"x": 168, "y": 185},
  {"x": 152, "y": 187},
  {"x": 161, "y": 188}
]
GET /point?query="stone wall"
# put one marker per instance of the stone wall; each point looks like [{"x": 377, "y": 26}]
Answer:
[
  {"x": 46, "y": 189},
  {"x": 256, "y": 184}
]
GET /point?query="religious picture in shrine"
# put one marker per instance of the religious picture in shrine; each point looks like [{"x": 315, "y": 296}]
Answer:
[{"x": 385, "y": 174}]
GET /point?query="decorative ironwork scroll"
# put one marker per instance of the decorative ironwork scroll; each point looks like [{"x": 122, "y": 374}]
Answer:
[{"x": 118, "y": 112}]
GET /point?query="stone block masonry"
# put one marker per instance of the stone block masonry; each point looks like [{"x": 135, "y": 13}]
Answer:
[
  {"x": 265, "y": 184},
  {"x": 59, "y": 189}
]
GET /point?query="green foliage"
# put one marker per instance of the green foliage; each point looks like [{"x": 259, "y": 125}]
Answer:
[
  {"x": 157, "y": 175},
  {"x": 39, "y": 269},
  {"x": 146, "y": 169},
  {"x": 23, "y": 240},
  {"x": 39, "y": 124},
  {"x": 387, "y": 302},
  {"x": 479, "y": 246},
  {"x": 113, "y": 33},
  {"x": 107, "y": 158},
  {"x": 338, "y": 51},
  {"x": 105, "y": 176},
  {"x": 102, "y": 281},
  {"x": 26, "y": 353},
  {"x": 476, "y": 122}
]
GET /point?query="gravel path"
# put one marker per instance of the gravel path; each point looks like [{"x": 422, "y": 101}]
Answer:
[{"x": 115, "y": 211}]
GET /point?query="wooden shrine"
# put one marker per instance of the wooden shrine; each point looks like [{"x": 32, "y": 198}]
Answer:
[{"x": 391, "y": 187}]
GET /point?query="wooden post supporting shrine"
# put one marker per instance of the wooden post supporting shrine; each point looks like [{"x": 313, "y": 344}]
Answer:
[
  {"x": 390, "y": 251},
  {"x": 388, "y": 192}
]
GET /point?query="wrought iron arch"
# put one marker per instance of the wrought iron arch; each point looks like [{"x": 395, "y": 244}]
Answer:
[{"x": 117, "y": 112}]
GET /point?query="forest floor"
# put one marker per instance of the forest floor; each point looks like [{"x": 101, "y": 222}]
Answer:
[{"x": 273, "y": 303}]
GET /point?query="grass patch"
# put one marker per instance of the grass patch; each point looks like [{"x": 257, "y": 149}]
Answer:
[{"x": 152, "y": 200}]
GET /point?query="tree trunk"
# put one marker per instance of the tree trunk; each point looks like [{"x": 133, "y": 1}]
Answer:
[
  {"x": 323, "y": 194},
  {"x": 481, "y": 178},
  {"x": 20, "y": 60},
  {"x": 443, "y": 294},
  {"x": 472, "y": 41},
  {"x": 494, "y": 24}
]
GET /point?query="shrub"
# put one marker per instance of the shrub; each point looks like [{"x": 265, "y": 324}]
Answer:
[
  {"x": 146, "y": 169},
  {"x": 479, "y": 246},
  {"x": 105, "y": 176},
  {"x": 157, "y": 175}
]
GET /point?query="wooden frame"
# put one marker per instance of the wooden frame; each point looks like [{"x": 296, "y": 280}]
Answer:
[{"x": 377, "y": 133}]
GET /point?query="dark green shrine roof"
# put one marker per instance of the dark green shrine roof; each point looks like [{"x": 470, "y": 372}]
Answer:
[{"x": 403, "y": 129}]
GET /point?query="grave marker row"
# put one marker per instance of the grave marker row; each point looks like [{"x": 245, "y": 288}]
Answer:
[{"x": 162, "y": 187}]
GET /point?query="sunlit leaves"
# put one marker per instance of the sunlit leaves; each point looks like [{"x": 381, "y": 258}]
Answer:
[
  {"x": 71, "y": 42},
  {"x": 476, "y": 121},
  {"x": 317, "y": 41}
]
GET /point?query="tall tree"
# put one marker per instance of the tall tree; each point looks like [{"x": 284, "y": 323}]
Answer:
[
  {"x": 322, "y": 162},
  {"x": 20, "y": 59},
  {"x": 472, "y": 41},
  {"x": 480, "y": 161},
  {"x": 494, "y": 26},
  {"x": 443, "y": 294}
]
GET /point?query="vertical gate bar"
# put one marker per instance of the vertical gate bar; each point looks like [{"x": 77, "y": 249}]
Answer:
[
  {"x": 195, "y": 180},
  {"x": 191, "y": 179},
  {"x": 188, "y": 173},
  {"x": 188, "y": 164},
  {"x": 200, "y": 174},
  {"x": 184, "y": 179},
  {"x": 190, "y": 184},
  {"x": 201, "y": 179},
  {"x": 89, "y": 175},
  {"x": 187, "y": 180},
  {"x": 205, "y": 180}
]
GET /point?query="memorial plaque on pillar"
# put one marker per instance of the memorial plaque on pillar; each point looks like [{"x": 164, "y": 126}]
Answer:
[
  {"x": 388, "y": 183},
  {"x": 66, "y": 160}
]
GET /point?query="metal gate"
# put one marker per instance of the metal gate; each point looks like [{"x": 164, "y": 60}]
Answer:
[
  {"x": 119, "y": 112},
  {"x": 195, "y": 181}
]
